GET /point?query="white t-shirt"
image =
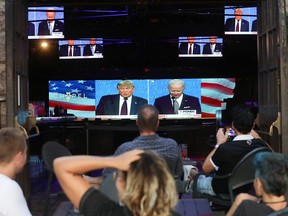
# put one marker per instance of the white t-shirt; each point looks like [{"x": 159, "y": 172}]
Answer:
[{"x": 12, "y": 201}]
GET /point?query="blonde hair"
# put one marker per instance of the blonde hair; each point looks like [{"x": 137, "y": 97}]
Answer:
[{"x": 150, "y": 187}]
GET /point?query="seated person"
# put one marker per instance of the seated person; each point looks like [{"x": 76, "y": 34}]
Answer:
[
  {"x": 30, "y": 123},
  {"x": 143, "y": 181},
  {"x": 270, "y": 184},
  {"x": 226, "y": 154},
  {"x": 176, "y": 100},
  {"x": 13, "y": 156},
  {"x": 123, "y": 103},
  {"x": 147, "y": 123}
]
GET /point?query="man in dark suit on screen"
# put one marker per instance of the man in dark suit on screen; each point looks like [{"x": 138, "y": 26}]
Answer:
[
  {"x": 50, "y": 26},
  {"x": 92, "y": 48},
  {"x": 237, "y": 24},
  {"x": 212, "y": 47},
  {"x": 69, "y": 49},
  {"x": 31, "y": 29},
  {"x": 123, "y": 103},
  {"x": 166, "y": 104},
  {"x": 189, "y": 47},
  {"x": 254, "y": 26}
]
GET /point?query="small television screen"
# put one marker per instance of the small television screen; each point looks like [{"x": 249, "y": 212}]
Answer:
[
  {"x": 37, "y": 108},
  {"x": 81, "y": 48},
  {"x": 45, "y": 22},
  {"x": 81, "y": 97},
  {"x": 209, "y": 46},
  {"x": 240, "y": 20}
]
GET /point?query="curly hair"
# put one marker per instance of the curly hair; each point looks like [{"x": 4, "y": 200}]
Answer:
[{"x": 150, "y": 187}]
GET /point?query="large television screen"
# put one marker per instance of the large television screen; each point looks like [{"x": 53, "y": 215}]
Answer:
[
  {"x": 240, "y": 20},
  {"x": 209, "y": 46},
  {"x": 81, "y": 48},
  {"x": 81, "y": 97},
  {"x": 45, "y": 22}
]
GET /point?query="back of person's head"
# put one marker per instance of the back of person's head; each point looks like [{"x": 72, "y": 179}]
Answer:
[
  {"x": 12, "y": 142},
  {"x": 125, "y": 83},
  {"x": 242, "y": 119},
  {"x": 147, "y": 119},
  {"x": 272, "y": 170},
  {"x": 150, "y": 187}
]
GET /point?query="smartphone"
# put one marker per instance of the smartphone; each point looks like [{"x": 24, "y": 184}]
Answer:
[{"x": 230, "y": 132}]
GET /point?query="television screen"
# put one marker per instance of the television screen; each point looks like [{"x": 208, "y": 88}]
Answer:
[
  {"x": 81, "y": 97},
  {"x": 45, "y": 22},
  {"x": 81, "y": 48},
  {"x": 210, "y": 46},
  {"x": 240, "y": 20}
]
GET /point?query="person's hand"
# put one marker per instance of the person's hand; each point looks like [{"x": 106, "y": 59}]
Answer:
[
  {"x": 221, "y": 136},
  {"x": 244, "y": 196},
  {"x": 123, "y": 161}
]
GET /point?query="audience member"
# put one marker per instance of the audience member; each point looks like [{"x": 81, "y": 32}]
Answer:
[
  {"x": 237, "y": 24},
  {"x": 123, "y": 103},
  {"x": 148, "y": 122},
  {"x": 270, "y": 184},
  {"x": 50, "y": 26},
  {"x": 143, "y": 181},
  {"x": 212, "y": 47},
  {"x": 226, "y": 154},
  {"x": 13, "y": 155},
  {"x": 177, "y": 100},
  {"x": 69, "y": 49},
  {"x": 189, "y": 47},
  {"x": 92, "y": 48}
]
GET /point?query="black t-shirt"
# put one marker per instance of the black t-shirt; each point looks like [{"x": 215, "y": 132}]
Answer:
[
  {"x": 95, "y": 203},
  {"x": 227, "y": 156},
  {"x": 251, "y": 208}
]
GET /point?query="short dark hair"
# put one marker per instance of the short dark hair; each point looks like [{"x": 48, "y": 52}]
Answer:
[
  {"x": 147, "y": 118},
  {"x": 272, "y": 170},
  {"x": 12, "y": 141},
  {"x": 243, "y": 119}
]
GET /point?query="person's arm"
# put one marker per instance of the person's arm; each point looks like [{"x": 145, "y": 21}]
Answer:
[
  {"x": 238, "y": 200},
  {"x": 69, "y": 169},
  {"x": 221, "y": 138}
]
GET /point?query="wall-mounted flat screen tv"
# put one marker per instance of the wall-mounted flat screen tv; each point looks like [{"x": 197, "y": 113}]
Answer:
[
  {"x": 46, "y": 22},
  {"x": 208, "y": 46},
  {"x": 81, "y": 97},
  {"x": 81, "y": 48},
  {"x": 240, "y": 20}
]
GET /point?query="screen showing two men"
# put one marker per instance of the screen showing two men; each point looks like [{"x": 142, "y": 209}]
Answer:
[{"x": 81, "y": 97}]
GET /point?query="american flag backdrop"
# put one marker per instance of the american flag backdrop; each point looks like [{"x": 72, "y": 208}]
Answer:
[
  {"x": 77, "y": 96},
  {"x": 213, "y": 92}
]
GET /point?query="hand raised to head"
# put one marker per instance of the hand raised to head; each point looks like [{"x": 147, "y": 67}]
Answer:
[{"x": 123, "y": 161}]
